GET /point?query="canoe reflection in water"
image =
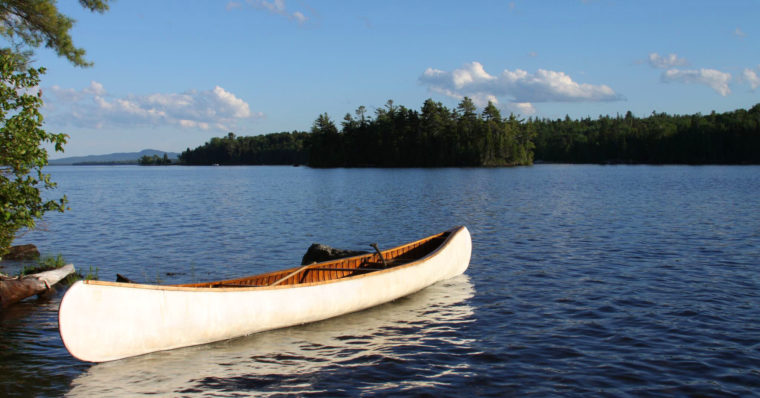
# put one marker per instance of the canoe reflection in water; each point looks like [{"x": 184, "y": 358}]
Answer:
[{"x": 353, "y": 353}]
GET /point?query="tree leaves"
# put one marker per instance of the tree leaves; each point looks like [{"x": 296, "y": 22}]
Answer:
[
  {"x": 28, "y": 24},
  {"x": 396, "y": 137},
  {"x": 21, "y": 155}
]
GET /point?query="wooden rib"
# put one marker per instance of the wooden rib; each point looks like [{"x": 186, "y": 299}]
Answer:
[{"x": 289, "y": 275}]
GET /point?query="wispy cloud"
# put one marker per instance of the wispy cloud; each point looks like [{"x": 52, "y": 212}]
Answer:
[
  {"x": 667, "y": 61},
  {"x": 712, "y": 78},
  {"x": 93, "y": 107},
  {"x": 520, "y": 88},
  {"x": 276, "y": 7},
  {"x": 234, "y": 5},
  {"x": 751, "y": 77},
  {"x": 739, "y": 33},
  {"x": 299, "y": 17},
  {"x": 521, "y": 108}
]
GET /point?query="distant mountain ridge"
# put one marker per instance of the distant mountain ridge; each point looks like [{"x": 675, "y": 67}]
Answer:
[{"x": 119, "y": 157}]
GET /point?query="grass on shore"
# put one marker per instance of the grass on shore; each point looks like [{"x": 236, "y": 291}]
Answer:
[{"x": 48, "y": 263}]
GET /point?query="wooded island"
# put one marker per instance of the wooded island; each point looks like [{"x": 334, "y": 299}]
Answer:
[{"x": 437, "y": 136}]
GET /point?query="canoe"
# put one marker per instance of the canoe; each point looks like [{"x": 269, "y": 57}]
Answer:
[
  {"x": 103, "y": 321},
  {"x": 426, "y": 318}
]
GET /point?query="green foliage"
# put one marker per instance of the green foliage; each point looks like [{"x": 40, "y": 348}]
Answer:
[
  {"x": 92, "y": 274},
  {"x": 154, "y": 160},
  {"x": 271, "y": 149},
  {"x": 28, "y": 24},
  {"x": 438, "y": 137},
  {"x": 396, "y": 137},
  {"x": 21, "y": 156},
  {"x": 726, "y": 138},
  {"x": 435, "y": 136},
  {"x": 51, "y": 263},
  {"x": 43, "y": 264}
]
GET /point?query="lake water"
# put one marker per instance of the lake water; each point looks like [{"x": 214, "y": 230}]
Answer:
[{"x": 584, "y": 280}]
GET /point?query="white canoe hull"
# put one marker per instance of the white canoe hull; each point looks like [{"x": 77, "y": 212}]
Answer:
[{"x": 104, "y": 321}]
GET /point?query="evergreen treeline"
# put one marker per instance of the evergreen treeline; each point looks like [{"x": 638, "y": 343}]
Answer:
[
  {"x": 725, "y": 138},
  {"x": 437, "y": 136},
  {"x": 270, "y": 149},
  {"x": 154, "y": 160},
  {"x": 396, "y": 137},
  {"x": 433, "y": 137}
]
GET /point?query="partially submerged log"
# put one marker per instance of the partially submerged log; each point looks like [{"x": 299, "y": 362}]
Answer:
[
  {"x": 319, "y": 252},
  {"x": 13, "y": 290}
]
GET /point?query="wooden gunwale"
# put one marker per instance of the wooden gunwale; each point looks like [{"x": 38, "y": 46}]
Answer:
[{"x": 231, "y": 285}]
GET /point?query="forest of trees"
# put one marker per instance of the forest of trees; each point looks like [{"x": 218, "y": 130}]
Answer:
[
  {"x": 718, "y": 138},
  {"x": 435, "y": 136},
  {"x": 270, "y": 149},
  {"x": 395, "y": 137},
  {"x": 154, "y": 160}
]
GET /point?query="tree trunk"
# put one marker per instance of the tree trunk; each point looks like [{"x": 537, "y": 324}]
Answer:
[{"x": 13, "y": 290}]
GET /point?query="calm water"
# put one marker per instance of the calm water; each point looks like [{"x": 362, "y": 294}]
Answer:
[{"x": 584, "y": 280}]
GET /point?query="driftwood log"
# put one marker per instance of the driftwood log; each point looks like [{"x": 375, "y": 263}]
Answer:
[{"x": 13, "y": 290}]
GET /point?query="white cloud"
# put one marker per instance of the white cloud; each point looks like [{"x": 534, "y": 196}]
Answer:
[
  {"x": 522, "y": 108},
  {"x": 519, "y": 87},
  {"x": 65, "y": 94},
  {"x": 278, "y": 7},
  {"x": 664, "y": 62},
  {"x": 715, "y": 79},
  {"x": 298, "y": 16},
  {"x": 95, "y": 88},
  {"x": 472, "y": 74},
  {"x": 751, "y": 77},
  {"x": 739, "y": 33},
  {"x": 93, "y": 107}
]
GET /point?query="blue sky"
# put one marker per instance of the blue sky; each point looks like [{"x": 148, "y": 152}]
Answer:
[{"x": 169, "y": 75}]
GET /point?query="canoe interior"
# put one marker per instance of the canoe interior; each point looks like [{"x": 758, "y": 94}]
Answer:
[{"x": 337, "y": 269}]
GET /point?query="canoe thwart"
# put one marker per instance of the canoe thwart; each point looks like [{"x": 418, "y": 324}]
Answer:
[{"x": 379, "y": 253}]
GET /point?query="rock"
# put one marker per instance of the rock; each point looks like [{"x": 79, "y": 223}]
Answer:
[
  {"x": 22, "y": 252},
  {"x": 318, "y": 252},
  {"x": 122, "y": 278}
]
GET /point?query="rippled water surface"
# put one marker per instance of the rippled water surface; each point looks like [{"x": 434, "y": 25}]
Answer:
[{"x": 584, "y": 280}]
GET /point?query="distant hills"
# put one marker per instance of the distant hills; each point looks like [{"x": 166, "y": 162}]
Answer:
[{"x": 112, "y": 158}]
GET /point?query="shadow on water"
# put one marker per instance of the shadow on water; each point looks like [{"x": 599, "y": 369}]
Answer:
[
  {"x": 33, "y": 361},
  {"x": 368, "y": 346}
]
